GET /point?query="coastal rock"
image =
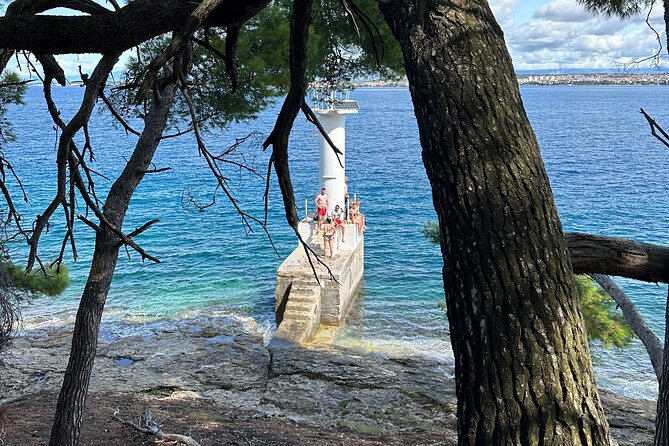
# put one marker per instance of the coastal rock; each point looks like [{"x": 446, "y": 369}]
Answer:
[
  {"x": 341, "y": 387},
  {"x": 33, "y": 365},
  {"x": 225, "y": 361},
  {"x": 632, "y": 421}
]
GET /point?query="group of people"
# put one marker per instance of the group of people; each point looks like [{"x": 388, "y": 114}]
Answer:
[{"x": 330, "y": 223}]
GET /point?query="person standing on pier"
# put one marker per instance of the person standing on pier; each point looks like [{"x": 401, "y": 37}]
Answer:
[
  {"x": 345, "y": 198},
  {"x": 329, "y": 232},
  {"x": 321, "y": 202}
]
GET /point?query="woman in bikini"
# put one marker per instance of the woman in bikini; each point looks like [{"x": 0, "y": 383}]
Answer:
[{"x": 328, "y": 237}]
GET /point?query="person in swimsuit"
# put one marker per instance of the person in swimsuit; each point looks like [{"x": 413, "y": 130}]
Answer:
[
  {"x": 357, "y": 217},
  {"x": 329, "y": 232},
  {"x": 339, "y": 223},
  {"x": 360, "y": 215},
  {"x": 321, "y": 202},
  {"x": 351, "y": 213}
]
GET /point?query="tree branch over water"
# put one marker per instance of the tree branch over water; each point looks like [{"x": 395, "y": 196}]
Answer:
[
  {"x": 618, "y": 257},
  {"x": 635, "y": 320},
  {"x": 133, "y": 24}
]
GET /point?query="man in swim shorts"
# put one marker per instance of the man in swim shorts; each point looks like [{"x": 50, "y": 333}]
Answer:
[{"x": 321, "y": 202}]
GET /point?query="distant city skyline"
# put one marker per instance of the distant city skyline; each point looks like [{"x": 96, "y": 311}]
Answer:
[{"x": 629, "y": 77}]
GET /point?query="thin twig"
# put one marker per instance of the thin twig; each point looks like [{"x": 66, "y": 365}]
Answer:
[
  {"x": 143, "y": 228},
  {"x": 231, "y": 39},
  {"x": 117, "y": 115},
  {"x": 663, "y": 136},
  {"x": 218, "y": 174},
  {"x": 95, "y": 227},
  {"x": 199, "y": 15},
  {"x": 208, "y": 46},
  {"x": 655, "y": 57},
  {"x": 14, "y": 84},
  {"x": 147, "y": 426}
]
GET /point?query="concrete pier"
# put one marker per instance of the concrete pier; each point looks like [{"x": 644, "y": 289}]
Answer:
[
  {"x": 308, "y": 293},
  {"x": 302, "y": 304}
]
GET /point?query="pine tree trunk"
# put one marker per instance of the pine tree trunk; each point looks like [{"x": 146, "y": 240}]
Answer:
[
  {"x": 69, "y": 411},
  {"x": 523, "y": 369},
  {"x": 662, "y": 419}
]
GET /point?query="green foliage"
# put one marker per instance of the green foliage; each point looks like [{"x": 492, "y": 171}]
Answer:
[
  {"x": 10, "y": 312},
  {"x": 602, "y": 322},
  {"x": 260, "y": 79},
  {"x": 599, "y": 312},
  {"x": 336, "y": 54},
  {"x": 431, "y": 231},
  {"x": 619, "y": 8},
  {"x": 11, "y": 92},
  {"x": 343, "y": 52},
  {"x": 51, "y": 283}
]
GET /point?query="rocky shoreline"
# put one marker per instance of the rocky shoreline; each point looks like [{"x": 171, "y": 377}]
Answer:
[{"x": 225, "y": 363}]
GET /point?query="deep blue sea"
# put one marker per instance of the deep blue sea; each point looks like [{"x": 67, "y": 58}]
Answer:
[{"x": 608, "y": 174}]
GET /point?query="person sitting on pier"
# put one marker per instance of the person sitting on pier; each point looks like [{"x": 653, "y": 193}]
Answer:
[
  {"x": 328, "y": 237},
  {"x": 357, "y": 217},
  {"x": 338, "y": 217},
  {"x": 352, "y": 216},
  {"x": 321, "y": 202},
  {"x": 361, "y": 216}
]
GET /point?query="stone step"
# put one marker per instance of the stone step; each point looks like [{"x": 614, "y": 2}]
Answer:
[
  {"x": 292, "y": 330},
  {"x": 301, "y": 307},
  {"x": 301, "y": 298},
  {"x": 305, "y": 283},
  {"x": 298, "y": 315},
  {"x": 305, "y": 293},
  {"x": 305, "y": 288}
]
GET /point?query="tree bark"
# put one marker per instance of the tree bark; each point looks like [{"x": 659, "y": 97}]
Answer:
[
  {"x": 616, "y": 256},
  {"x": 69, "y": 410},
  {"x": 522, "y": 363},
  {"x": 662, "y": 418},
  {"x": 137, "y": 22}
]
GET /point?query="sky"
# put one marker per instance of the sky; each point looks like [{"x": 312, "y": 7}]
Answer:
[
  {"x": 541, "y": 35},
  {"x": 561, "y": 34}
]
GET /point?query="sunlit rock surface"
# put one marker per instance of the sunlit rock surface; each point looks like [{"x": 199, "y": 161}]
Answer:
[{"x": 225, "y": 360}]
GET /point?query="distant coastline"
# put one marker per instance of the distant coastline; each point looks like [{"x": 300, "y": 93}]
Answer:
[
  {"x": 636, "y": 78},
  {"x": 381, "y": 84},
  {"x": 595, "y": 79}
]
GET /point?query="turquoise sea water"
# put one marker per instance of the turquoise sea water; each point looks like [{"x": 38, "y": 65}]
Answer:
[{"x": 607, "y": 173}]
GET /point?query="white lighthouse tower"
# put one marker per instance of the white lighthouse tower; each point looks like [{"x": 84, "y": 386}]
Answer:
[
  {"x": 332, "y": 112},
  {"x": 310, "y": 294}
]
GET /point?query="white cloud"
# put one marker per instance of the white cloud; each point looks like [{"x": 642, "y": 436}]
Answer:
[
  {"x": 503, "y": 10},
  {"x": 71, "y": 63},
  {"x": 560, "y": 34},
  {"x": 562, "y": 11}
]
